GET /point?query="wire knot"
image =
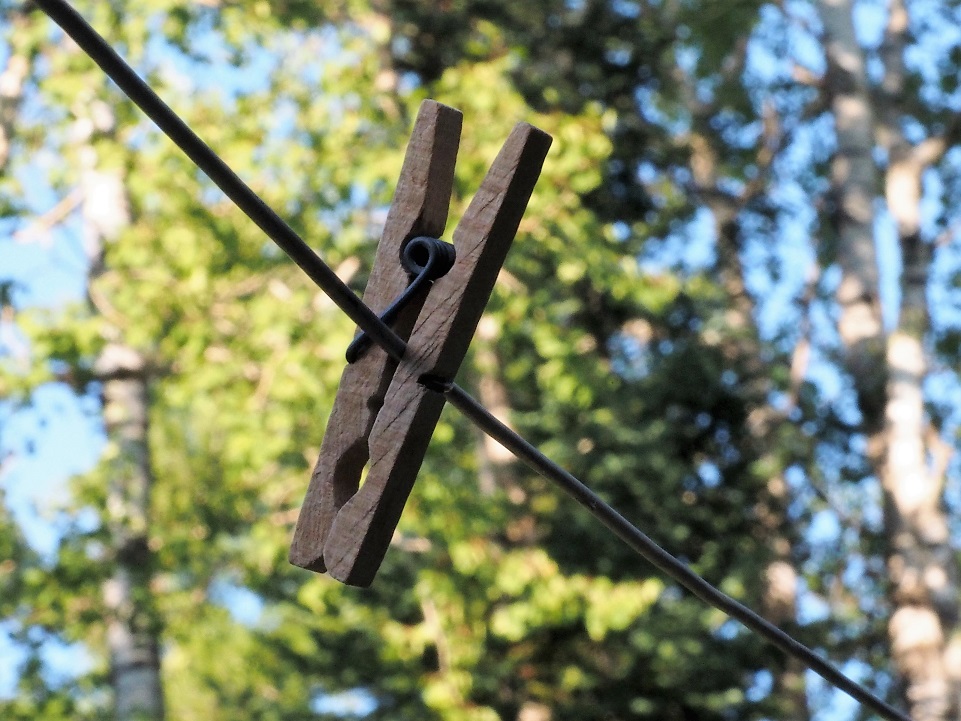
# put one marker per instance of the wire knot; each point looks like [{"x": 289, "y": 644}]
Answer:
[{"x": 426, "y": 260}]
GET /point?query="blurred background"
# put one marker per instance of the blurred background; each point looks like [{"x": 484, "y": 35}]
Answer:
[{"x": 731, "y": 308}]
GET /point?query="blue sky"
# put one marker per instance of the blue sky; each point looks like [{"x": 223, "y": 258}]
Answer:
[{"x": 58, "y": 436}]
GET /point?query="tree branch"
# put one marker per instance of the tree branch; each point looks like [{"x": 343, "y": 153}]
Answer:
[{"x": 53, "y": 217}]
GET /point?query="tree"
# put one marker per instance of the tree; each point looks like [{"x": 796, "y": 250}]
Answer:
[
  {"x": 677, "y": 385},
  {"x": 905, "y": 448},
  {"x": 533, "y": 632},
  {"x": 725, "y": 133}
]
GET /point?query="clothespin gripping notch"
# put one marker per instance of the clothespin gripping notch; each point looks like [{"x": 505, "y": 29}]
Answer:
[{"x": 386, "y": 412}]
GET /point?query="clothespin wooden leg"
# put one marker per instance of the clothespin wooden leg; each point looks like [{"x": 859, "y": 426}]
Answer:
[
  {"x": 419, "y": 207},
  {"x": 362, "y": 529}
]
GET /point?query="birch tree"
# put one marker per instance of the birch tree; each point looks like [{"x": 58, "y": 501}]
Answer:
[{"x": 889, "y": 367}]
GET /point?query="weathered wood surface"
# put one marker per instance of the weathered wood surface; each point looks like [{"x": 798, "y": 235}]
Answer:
[
  {"x": 419, "y": 207},
  {"x": 361, "y": 531}
]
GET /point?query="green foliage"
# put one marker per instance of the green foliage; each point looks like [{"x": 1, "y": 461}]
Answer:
[{"x": 494, "y": 598}]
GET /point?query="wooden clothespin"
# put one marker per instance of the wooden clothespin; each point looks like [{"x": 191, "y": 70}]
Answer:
[{"x": 385, "y": 412}]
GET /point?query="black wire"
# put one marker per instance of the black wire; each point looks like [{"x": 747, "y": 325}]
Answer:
[
  {"x": 644, "y": 546},
  {"x": 288, "y": 240},
  {"x": 438, "y": 258}
]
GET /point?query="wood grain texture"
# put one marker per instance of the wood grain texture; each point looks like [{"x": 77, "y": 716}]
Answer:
[
  {"x": 420, "y": 207},
  {"x": 361, "y": 531}
]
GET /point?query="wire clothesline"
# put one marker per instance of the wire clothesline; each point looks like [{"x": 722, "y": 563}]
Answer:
[{"x": 304, "y": 256}]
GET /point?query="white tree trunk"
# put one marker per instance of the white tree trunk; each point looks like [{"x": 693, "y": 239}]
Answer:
[
  {"x": 921, "y": 565},
  {"x": 132, "y": 629},
  {"x": 854, "y": 179},
  {"x": 11, "y": 92},
  {"x": 13, "y": 75},
  {"x": 131, "y": 624},
  {"x": 905, "y": 452}
]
